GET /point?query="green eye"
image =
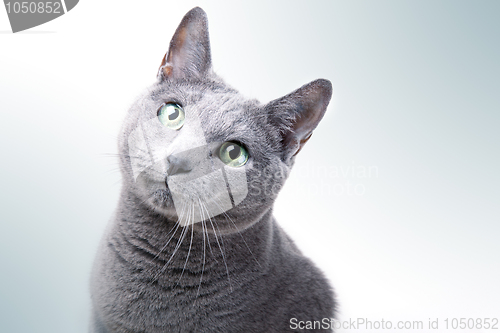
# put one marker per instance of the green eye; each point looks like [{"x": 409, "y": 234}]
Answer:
[
  {"x": 233, "y": 154},
  {"x": 171, "y": 115}
]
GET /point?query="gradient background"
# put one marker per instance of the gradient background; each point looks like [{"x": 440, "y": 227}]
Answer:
[{"x": 416, "y": 99}]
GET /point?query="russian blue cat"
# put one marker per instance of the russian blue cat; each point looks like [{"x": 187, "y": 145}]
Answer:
[{"x": 193, "y": 245}]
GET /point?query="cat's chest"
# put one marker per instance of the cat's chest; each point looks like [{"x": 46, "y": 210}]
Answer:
[{"x": 131, "y": 297}]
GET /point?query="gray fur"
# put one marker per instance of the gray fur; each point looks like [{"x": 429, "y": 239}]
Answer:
[{"x": 235, "y": 272}]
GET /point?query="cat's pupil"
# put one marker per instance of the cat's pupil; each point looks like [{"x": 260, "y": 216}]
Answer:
[
  {"x": 234, "y": 151},
  {"x": 173, "y": 113}
]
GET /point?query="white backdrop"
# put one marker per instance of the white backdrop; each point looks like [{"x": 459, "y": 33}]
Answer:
[{"x": 396, "y": 196}]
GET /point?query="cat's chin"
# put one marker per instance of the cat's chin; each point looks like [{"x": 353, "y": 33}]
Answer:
[
  {"x": 163, "y": 207},
  {"x": 160, "y": 201},
  {"x": 168, "y": 212}
]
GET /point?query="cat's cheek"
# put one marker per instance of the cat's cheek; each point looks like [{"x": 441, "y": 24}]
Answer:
[
  {"x": 255, "y": 170},
  {"x": 254, "y": 189},
  {"x": 274, "y": 189}
]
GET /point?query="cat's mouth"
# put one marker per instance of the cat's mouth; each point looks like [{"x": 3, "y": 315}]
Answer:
[{"x": 190, "y": 197}]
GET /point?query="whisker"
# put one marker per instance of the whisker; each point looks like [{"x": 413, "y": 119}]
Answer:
[
  {"x": 189, "y": 250},
  {"x": 117, "y": 155},
  {"x": 208, "y": 237},
  {"x": 222, "y": 252},
  {"x": 227, "y": 217},
  {"x": 179, "y": 242},
  {"x": 203, "y": 231},
  {"x": 175, "y": 228}
]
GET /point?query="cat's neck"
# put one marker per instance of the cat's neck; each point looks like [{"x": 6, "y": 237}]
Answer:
[{"x": 156, "y": 244}]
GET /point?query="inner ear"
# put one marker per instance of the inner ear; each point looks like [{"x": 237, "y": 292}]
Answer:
[
  {"x": 188, "y": 56},
  {"x": 297, "y": 114}
]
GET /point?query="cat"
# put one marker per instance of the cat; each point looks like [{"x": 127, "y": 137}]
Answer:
[{"x": 193, "y": 245}]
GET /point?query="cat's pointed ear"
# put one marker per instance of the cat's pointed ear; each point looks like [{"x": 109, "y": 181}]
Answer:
[
  {"x": 297, "y": 114},
  {"x": 189, "y": 54}
]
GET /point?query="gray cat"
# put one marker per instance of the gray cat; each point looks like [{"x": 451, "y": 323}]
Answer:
[{"x": 193, "y": 245}]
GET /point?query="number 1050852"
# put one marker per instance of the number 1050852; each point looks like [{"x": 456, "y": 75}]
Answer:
[
  {"x": 470, "y": 323},
  {"x": 34, "y": 7}
]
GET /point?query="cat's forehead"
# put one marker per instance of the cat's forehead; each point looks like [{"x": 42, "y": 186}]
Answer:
[{"x": 203, "y": 97}]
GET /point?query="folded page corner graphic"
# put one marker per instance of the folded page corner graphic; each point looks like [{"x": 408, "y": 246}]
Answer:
[
  {"x": 24, "y": 15},
  {"x": 70, "y": 4}
]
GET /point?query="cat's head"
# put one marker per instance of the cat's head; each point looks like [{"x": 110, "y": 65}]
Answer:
[{"x": 194, "y": 149}]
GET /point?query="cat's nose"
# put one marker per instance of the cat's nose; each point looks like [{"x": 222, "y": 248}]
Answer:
[{"x": 177, "y": 165}]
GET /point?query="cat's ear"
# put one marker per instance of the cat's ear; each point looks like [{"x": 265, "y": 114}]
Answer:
[
  {"x": 189, "y": 54},
  {"x": 297, "y": 114}
]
